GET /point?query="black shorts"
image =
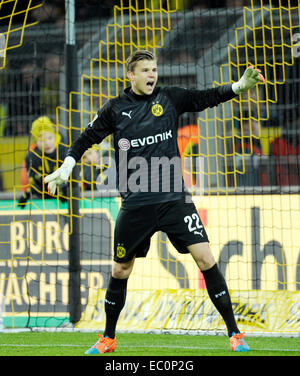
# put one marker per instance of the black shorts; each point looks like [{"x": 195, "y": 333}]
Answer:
[{"x": 135, "y": 227}]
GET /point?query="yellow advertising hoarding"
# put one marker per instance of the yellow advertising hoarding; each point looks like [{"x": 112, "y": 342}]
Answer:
[
  {"x": 255, "y": 240},
  {"x": 186, "y": 309}
]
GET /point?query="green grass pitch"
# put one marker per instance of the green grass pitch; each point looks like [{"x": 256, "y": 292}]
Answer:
[{"x": 133, "y": 344}]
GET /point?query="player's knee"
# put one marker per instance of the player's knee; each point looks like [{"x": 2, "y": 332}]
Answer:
[
  {"x": 203, "y": 256},
  {"x": 122, "y": 270}
]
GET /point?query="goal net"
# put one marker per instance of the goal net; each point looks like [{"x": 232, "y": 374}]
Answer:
[{"x": 240, "y": 161}]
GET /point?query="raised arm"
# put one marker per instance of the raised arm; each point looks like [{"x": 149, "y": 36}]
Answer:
[{"x": 193, "y": 100}]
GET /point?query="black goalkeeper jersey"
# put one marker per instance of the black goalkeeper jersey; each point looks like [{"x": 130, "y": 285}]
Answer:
[{"x": 145, "y": 139}]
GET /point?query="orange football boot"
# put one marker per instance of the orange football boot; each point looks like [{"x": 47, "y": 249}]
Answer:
[
  {"x": 103, "y": 345},
  {"x": 237, "y": 343}
]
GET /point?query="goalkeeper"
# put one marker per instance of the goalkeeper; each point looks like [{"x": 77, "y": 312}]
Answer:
[{"x": 143, "y": 120}]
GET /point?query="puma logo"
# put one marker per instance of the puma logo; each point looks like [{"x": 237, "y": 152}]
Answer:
[
  {"x": 199, "y": 233},
  {"x": 220, "y": 294},
  {"x": 127, "y": 113},
  {"x": 109, "y": 302}
]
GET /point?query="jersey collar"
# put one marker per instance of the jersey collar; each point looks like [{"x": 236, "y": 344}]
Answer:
[{"x": 128, "y": 91}]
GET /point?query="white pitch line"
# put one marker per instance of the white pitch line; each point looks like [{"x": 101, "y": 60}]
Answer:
[{"x": 166, "y": 347}]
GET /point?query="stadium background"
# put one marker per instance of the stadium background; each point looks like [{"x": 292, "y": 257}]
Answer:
[{"x": 241, "y": 161}]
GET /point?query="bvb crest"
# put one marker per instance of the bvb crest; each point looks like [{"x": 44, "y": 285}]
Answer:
[
  {"x": 157, "y": 109},
  {"x": 121, "y": 251}
]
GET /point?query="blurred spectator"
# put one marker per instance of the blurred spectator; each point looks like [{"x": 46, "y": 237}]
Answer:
[
  {"x": 286, "y": 150},
  {"x": 44, "y": 157},
  {"x": 189, "y": 148},
  {"x": 91, "y": 168},
  {"x": 15, "y": 12},
  {"x": 54, "y": 10},
  {"x": 50, "y": 89},
  {"x": 99, "y": 169},
  {"x": 183, "y": 57},
  {"x": 50, "y": 11},
  {"x": 237, "y": 3},
  {"x": 248, "y": 149},
  {"x": 23, "y": 100}
]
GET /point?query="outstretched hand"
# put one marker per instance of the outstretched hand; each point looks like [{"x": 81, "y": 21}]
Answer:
[
  {"x": 250, "y": 78},
  {"x": 61, "y": 175}
]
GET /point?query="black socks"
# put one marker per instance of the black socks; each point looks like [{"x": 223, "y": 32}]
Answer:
[
  {"x": 114, "y": 302},
  {"x": 219, "y": 295},
  {"x": 216, "y": 287}
]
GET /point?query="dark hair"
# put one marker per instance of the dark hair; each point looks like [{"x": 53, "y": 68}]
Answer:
[{"x": 137, "y": 56}]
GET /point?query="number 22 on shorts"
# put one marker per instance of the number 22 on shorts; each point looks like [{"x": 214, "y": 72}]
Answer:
[{"x": 194, "y": 223}]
